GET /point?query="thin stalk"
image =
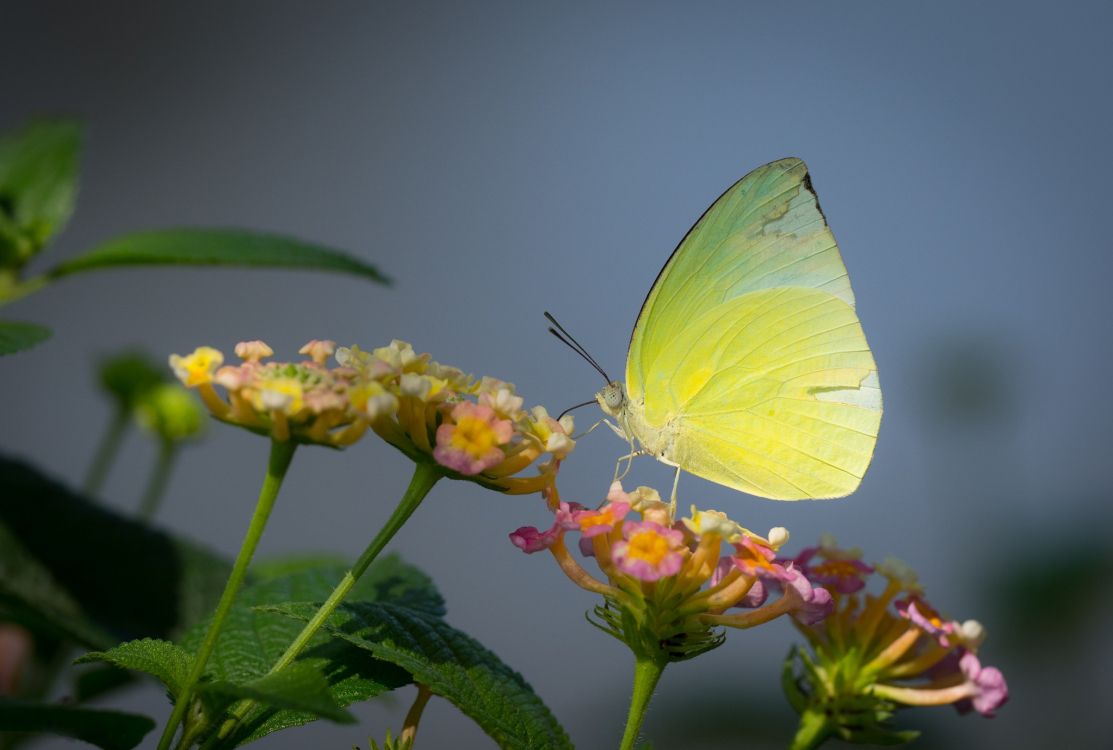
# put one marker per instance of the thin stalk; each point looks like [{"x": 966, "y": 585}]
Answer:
[
  {"x": 160, "y": 477},
  {"x": 646, "y": 674},
  {"x": 107, "y": 449},
  {"x": 280, "y": 457},
  {"x": 413, "y": 716},
  {"x": 424, "y": 477}
]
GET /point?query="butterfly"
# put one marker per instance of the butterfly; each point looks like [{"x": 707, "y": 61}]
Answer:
[{"x": 748, "y": 365}]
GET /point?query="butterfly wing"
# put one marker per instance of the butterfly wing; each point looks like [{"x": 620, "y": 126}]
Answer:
[{"x": 748, "y": 352}]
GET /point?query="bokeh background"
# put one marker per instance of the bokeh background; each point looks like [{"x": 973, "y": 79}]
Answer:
[{"x": 502, "y": 159}]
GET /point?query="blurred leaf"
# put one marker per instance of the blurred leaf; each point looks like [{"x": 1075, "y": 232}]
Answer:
[
  {"x": 253, "y": 640},
  {"x": 207, "y": 247},
  {"x": 110, "y": 730},
  {"x": 38, "y": 185},
  {"x": 299, "y": 687},
  {"x": 16, "y": 336},
  {"x": 32, "y": 598},
  {"x": 120, "y": 576},
  {"x": 100, "y": 680},
  {"x": 165, "y": 661},
  {"x": 452, "y": 664}
]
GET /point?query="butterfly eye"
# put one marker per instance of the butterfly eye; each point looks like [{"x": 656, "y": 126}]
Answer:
[{"x": 613, "y": 395}]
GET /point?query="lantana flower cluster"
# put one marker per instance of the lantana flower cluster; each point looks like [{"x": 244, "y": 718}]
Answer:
[
  {"x": 471, "y": 428},
  {"x": 880, "y": 651},
  {"x": 668, "y": 582}
]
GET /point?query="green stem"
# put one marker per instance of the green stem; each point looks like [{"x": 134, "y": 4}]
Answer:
[
  {"x": 280, "y": 457},
  {"x": 160, "y": 476},
  {"x": 107, "y": 449},
  {"x": 646, "y": 674},
  {"x": 424, "y": 477}
]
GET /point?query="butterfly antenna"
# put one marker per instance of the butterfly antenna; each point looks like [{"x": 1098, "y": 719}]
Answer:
[
  {"x": 577, "y": 406},
  {"x": 575, "y": 346}
]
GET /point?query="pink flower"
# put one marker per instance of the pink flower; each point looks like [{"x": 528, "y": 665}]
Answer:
[
  {"x": 758, "y": 561},
  {"x": 602, "y": 521},
  {"x": 816, "y": 608},
  {"x": 844, "y": 574},
  {"x": 529, "y": 539},
  {"x": 649, "y": 551},
  {"x": 992, "y": 692},
  {"x": 924, "y": 616},
  {"x": 470, "y": 443}
]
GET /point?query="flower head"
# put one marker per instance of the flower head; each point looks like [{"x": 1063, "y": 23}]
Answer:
[
  {"x": 304, "y": 402},
  {"x": 669, "y": 584},
  {"x": 880, "y": 650}
]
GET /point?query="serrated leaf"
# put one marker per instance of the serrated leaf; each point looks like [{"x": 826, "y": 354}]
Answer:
[
  {"x": 215, "y": 247},
  {"x": 111, "y": 730},
  {"x": 253, "y": 640},
  {"x": 99, "y": 577},
  {"x": 38, "y": 185},
  {"x": 299, "y": 687},
  {"x": 452, "y": 664},
  {"x": 16, "y": 336},
  {"x": 165, "y": 661}
]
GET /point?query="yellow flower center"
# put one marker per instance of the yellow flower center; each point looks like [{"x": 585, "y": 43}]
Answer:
[
  {"x": 648, "y": 546},
  {"x": 474, "y": 436},
  {"x": 197, "y": 368},
  {"x": 836, "y": 568}
]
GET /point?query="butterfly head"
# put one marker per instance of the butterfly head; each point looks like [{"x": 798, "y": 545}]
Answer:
[{"x": 612, "y": 399}]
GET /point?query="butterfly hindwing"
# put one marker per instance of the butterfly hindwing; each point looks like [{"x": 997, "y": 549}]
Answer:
[{"x": 762, "y": 395}]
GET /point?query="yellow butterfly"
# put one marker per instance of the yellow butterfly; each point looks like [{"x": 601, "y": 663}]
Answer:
[{"x": 748, "y": 365}]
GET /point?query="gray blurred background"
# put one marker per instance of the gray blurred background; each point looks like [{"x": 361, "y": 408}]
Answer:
[{"x": 502, "y": 159}]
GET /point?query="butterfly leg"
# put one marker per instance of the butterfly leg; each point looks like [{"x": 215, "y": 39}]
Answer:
[
  {"x": 615, "y": 428},
  {"x": 672, "y": 498},
  {"x": 629, "y": 459}
]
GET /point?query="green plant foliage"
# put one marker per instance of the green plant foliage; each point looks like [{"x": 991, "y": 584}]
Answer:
[
  {"x": 103, "y": 577},
  {"x": 209, "y": 247},
  {"x": 111, "y": 730},
  {"x": 451, "y": 663},
  {"x": 38, "y": 185},
  {"x": 300, "y": 687},
  {"x": 165, "y": 661},
  {"x": 253, "y": 640},
  {"x": 16, "y": 336}
]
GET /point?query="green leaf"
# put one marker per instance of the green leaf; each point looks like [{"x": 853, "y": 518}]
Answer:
[
  {"x": 452, "y": 664},
  {"x": 207, "y": 247},
  {"x": 165, "y": 661},
  {"x": 38, "y": 185},
  {"x": 16, "y": 336},
  {"x": 104, "y": 578},
  {"x": 253, "y": 640},
  {"x": 300, "y": 687},
  {"x": 111, "y": 730}
]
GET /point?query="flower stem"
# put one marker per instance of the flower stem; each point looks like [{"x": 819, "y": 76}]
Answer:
[
  {"x": 413, "y": 716},
  {"x": 160, "y": 476},
  {"x": 424, "y": 477},
  {"x": 107, "y": 449},
  {"x": 280, "y": 457},
  {"x": 647, "y": 672}
]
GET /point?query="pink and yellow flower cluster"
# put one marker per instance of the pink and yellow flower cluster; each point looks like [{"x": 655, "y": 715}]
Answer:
[
  {"x": 668, "y": 582},
  {"x": 472, "y": 428},
  {"x": 891, "y": 645}
]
